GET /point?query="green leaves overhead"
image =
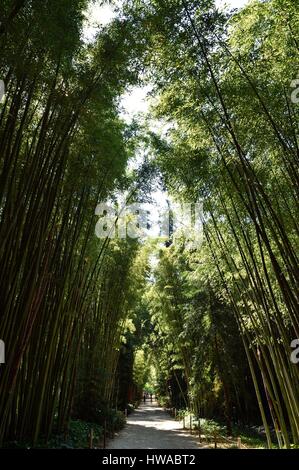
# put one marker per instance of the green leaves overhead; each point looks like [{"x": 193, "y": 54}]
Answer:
[{"x": 223, "y": 82}]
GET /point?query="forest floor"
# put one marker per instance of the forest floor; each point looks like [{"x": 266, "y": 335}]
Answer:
[{"x": 150, "y": 427}]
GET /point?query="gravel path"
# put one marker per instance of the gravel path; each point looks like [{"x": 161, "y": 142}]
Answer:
[{"x": 149, "y": 427}]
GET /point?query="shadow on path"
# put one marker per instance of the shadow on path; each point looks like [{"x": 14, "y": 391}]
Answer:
[{"x": 150, "y": 427}]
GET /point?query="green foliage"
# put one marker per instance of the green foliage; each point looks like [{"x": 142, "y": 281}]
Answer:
[
  {"x": 141, "y": 369},
  {"x": 115, "y": 420},
  {"x": 222, "y": 82},
  {"x": 88, "y": 324},
  {"x": 63, "y": 147},
  {"x": 163, "y": 401},
  {"x": 79, "y": 435},
  {"x": 211, "y": 428}
]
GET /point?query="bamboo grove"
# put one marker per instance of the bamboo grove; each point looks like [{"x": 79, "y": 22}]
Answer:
[
  {"x": 63, "y": 148},
  {"x": 224, "y": 86},
  {"x": 217, "y": 320}
]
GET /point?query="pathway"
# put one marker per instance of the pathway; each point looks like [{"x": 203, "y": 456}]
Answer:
[{"x": 150, "y": 427}]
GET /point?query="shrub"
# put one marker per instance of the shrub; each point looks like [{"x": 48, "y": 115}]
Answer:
[{"x": 209, "y": 427}]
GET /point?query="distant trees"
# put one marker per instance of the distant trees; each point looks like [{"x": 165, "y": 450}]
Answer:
[{"x": 195, "y": 343}]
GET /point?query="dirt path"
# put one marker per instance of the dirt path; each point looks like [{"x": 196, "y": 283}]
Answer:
[{"x": 149, "y": 427}]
